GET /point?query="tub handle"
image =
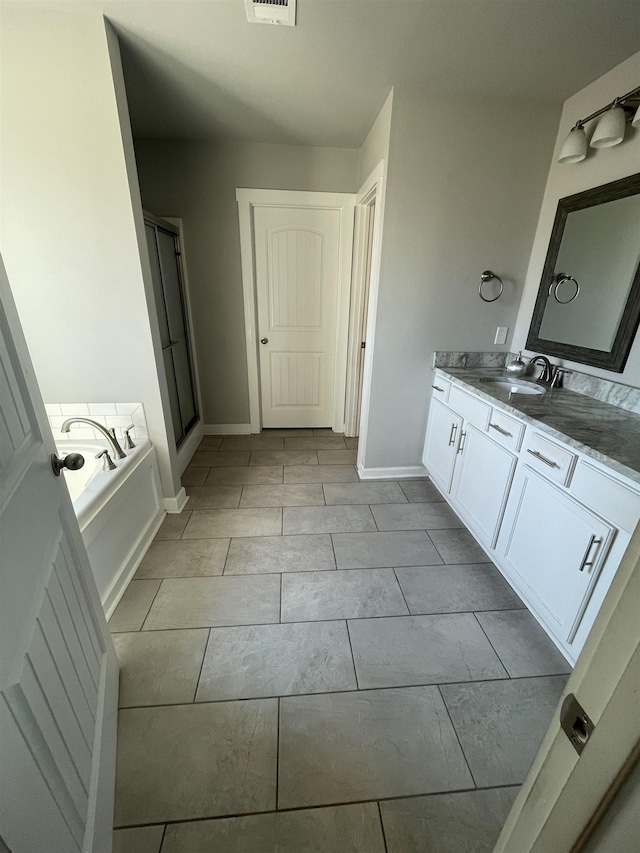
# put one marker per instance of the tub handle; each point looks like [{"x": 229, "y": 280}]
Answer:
[
  {"x": 128, "y": 441},
  {"x": 72, "y": 461},
  {"x": 107, "y": 462}
]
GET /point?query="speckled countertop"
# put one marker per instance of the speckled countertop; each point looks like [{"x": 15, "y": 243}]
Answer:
[{"x": 599, "y": 430}]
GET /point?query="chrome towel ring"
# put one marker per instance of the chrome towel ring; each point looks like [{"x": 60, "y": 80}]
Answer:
[
  {"x": 487, "y": 275},
  {"x": 560, "y": 279}
]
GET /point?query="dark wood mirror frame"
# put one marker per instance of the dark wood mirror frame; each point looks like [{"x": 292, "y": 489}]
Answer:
[{"x": 617, "y": 357}]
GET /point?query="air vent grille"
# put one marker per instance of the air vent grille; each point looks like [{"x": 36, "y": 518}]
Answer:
[{"x": 271, "y": 12}]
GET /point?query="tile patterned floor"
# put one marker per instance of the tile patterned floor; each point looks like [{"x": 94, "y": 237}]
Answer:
[{"x": 314, "y": 664}]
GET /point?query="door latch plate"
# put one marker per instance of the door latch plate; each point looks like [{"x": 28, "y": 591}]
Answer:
[{"x": 576, "y": 723}]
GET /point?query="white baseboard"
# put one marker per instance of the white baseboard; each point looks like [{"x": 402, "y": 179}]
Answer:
[
  {"x": 189, "y": 446},
  {"x": 407, "y": 472},
  {"x": 227, "y": 429},
  {"x": 176, "y": 504}
]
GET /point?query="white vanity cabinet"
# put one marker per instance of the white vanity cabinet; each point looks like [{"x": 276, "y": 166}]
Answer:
[{"x": 553, "y": 520}]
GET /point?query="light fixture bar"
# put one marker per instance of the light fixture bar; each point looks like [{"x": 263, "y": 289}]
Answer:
[{"x": 616, "y": 102}]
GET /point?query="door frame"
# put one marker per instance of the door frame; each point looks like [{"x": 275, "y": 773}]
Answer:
[{"x": 248, "y": 200}]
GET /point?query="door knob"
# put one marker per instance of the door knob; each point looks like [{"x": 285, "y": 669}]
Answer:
[
  {"x": 264, "y": 340},
  {"x": 72, "y": 461}
]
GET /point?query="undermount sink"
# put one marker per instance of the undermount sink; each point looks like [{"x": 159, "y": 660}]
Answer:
[{"x": 517, "y": 386}]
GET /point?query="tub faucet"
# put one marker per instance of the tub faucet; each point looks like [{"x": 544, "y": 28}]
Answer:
[
  {"x": 548, "y": 369},
  {"x": 109, "y": 434}
]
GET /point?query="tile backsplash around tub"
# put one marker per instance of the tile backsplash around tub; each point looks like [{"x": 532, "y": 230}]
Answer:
[{"x": 117, "y": 415}]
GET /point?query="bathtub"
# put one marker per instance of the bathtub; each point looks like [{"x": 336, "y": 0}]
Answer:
[{"x": 118, "y": 511}]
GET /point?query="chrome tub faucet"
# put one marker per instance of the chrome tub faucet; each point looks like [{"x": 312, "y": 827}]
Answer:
[{"x": 109, "y": 434}]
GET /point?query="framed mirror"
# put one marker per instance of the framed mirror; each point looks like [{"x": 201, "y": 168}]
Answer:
[{"x": 588, "y": 305}]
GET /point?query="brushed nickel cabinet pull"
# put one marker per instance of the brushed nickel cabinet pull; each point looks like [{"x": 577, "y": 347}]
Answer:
[
  {"x": 437, "y": 387},
  {"x": 593, "y": 541},
  {"x": 463, "y": 435},
  {"x": 452, "y": 434},
  {"x": 500, "y": 430},
  {"x": 543, "y": 458}
]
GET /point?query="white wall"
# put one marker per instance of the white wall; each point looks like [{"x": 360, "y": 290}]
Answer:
[
  {"x": 464, "y": 185},
  {"x": 376, "y": 145},
  {"x": 197, "y": 182},
  {"x": 600, "y": 167},
  {"x": 68, "y": 227}
]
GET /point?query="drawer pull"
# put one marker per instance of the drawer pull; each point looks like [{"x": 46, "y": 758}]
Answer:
[
  {"x": 593, "y": 541},
  {"x": 437, "y": 387},
  {"x": 500, "y": 430},
  {"x": 542, "y": 458},
  {"x": 452, "y": 434},
  {"x": 463, "y": 435}
]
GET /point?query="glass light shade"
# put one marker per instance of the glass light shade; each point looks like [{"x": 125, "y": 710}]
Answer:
[
  {"x": 575, "y": 146},
  {"x": 636, "y": 119},
  {"x": 610, "y": 129}
]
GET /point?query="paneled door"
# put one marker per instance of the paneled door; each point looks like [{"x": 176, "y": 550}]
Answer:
[
  {"x": 58, "y": 670},
  {"x": 297, "y": 258}
]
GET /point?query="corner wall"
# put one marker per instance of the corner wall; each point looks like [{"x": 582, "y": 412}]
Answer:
[
  {"x": 600, "y": 167},
  {"x": 197, "y": 182}
]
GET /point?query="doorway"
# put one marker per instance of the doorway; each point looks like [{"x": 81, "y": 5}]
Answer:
[{"x": 296, "y": 268}]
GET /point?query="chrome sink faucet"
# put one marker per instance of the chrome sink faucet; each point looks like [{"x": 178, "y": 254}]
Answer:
[{"x": 109, "y": 434}]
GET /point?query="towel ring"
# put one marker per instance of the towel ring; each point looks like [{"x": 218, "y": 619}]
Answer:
[
  {"x": 487, "y": 275},
  {"x": 560, "y": 279}
]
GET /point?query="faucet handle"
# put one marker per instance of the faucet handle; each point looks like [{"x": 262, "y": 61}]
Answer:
[
  {"x": 558, "y": 376},
  {"x": 107, "y": 462},
  {"x": 128, "y": 441}
]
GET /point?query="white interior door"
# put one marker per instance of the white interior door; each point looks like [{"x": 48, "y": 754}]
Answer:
[
  {"x": 58, "y": 670},
  {"x": 297, "y": 256}
]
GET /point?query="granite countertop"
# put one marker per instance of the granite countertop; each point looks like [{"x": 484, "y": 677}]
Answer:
[{"x": 604, "y": 432}]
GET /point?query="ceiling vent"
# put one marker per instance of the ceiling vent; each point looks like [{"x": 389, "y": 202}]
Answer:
[{"x": 271, "y": 12}]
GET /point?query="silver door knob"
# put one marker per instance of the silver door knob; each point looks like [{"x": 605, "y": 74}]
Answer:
[{"x": 264, "y": 340}]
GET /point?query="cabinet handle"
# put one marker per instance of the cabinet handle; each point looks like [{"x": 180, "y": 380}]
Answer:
[
  {"x": 543, "y": 458},
  {"x": 452, "y": 434},
  {"x": 437, "y": 387},
  {"x": 500, "y": 430},
  {"x": 463, "y": 435},
  {"x": 593, "y": 541}
]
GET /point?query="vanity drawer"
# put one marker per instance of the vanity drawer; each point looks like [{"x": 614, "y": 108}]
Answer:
[
  {"x": 506, "y": 430},
  {"x": 472, "y": 409},
  {"x": 441, "y": 388},
  {"x": 549, "y": 458},
  {"x": 610, "y": 498}
]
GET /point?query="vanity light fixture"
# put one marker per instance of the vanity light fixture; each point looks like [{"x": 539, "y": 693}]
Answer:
[{"x": 609, "y": 130}]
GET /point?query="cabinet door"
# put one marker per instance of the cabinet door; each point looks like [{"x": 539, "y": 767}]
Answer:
[
  {"x": 555, "y": 549},
  {"x": 441, "y": 443},
  {"x": 483, "y": 474}
]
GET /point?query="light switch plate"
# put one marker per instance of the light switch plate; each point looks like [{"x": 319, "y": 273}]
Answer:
[{"x": 501, "y": 335}]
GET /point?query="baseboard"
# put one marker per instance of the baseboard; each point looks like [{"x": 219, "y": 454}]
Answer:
[
  {"x": 227, "y": 429},
  {"x": 176, "y": 504},
  {"x": 189, "y": 446},
  {"x": 407, "y": 472}
]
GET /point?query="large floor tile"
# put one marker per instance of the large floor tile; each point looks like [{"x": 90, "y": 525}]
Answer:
[
  {"x": 468, "y": 822},
  {"x": 134, "y": 605},
  {"x": 181, "y": 559},
  {"x": 295, "y": 432},
  {"x": 139, "y": 839},
  {"x": 420, "y": 491},
  {"x": 210, "y": 442},
  {"x": 341, "y": 595},
  {"x": 159, "y": 667},
  {"x": 252, "y": 442},
  {"x": 320, "y": 474},
  {"x": 206, "y": 524},
  {"x": 370, "y": 550},
  {"x": 523, "y": 646},
  {"x": 214, "y": 497},
  {"x": 286, "y": 495},
  {"x": 422, "y": 650},
  {"x": 363, "y": 493},
  {"x": 338, "y": 829},
  {"x": 327, "y": 519},
  {"x": 351, "y": 442},
  {"x": 454, "y": 589},
  {"x": 276, "y": 660},
  {"x": 210, "y": 602},
  {"x": 179, "y": 762},
  {"x": 173, "y": 525},
  {"x": 415, "y": 516},
  {"x": 325, "y": 442},
  {"x": 284, "y": 457},
  {"x": 194, "y": 476},
  {"x": 337, "y": 457},
  {"x": 342, "y": 747},
  {"x": 311, "y": 553},
  {"x": 457, "y": 546},
  {"x": 231, "y": 459},
  {"x": 267, "y": 475},
  {"x": 501, "y": 724}
]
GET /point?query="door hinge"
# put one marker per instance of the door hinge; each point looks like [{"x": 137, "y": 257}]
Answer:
[{"x": 363, "y": 344}]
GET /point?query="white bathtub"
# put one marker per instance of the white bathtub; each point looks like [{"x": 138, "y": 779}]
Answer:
[{"x": 118, "y": 511}]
